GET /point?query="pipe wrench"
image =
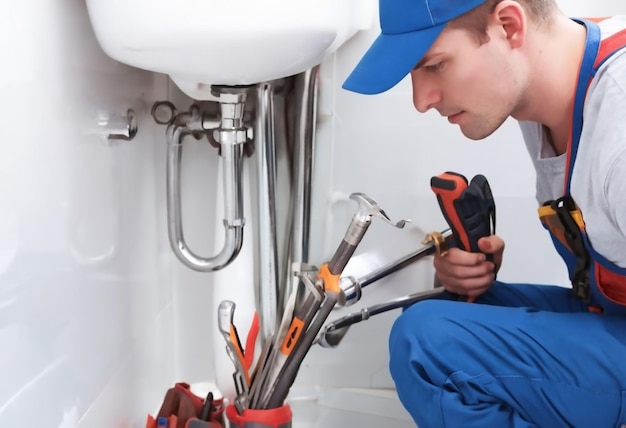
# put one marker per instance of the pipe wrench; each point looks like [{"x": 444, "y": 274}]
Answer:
[{"x": 469, "y": 208}]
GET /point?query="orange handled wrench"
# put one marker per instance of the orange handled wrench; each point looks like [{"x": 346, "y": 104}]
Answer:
[{"x": 469, "y": 208}]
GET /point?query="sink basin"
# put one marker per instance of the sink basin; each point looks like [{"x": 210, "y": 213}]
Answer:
[{"x": 228, "y": 42}]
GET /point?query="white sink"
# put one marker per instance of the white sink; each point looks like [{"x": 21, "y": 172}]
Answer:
[{"x": 228, "y": 42}]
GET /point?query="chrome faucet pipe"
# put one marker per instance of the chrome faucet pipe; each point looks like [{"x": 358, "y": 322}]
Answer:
[{"x": 265, "y": 146}]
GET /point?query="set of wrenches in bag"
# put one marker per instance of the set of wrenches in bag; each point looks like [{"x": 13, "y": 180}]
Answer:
[{"x": 267, "y": 384}]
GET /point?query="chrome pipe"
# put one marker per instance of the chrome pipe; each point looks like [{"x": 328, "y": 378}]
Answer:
[
  {"x": 303, "y": 155},
  {"x": 232, "y": 159},
  {"x": 265, "y": 146},
  {"x": 302, "y": 171},
  {"x": 231, "y": 134}
]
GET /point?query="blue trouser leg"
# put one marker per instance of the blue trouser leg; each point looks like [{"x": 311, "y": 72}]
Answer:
[{"x": 538, "y": 359}]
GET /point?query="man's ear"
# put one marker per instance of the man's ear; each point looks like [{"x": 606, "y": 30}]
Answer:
[{"x": 511, "y": 18}]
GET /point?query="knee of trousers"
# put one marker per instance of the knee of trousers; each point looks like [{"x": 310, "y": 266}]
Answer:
[{"x": 420, "y": 333}]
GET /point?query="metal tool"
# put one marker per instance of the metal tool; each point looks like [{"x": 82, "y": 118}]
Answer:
[
  {"x": 283, "y": 353},
  {"x": 469, "y": 210},
  {"x": 330, "y": 272},
  {"x": 289, "y": 372},
  {"x": 225, "y": 318},
  {"x": 333, "y": 333},
  {"x": 328, "y": 280},
  {"x": 259, "y": 378},
  {"x": 361, "y": 221},
  {"x": 289, "y": 338},
  {"x": 435, "y": 243}
]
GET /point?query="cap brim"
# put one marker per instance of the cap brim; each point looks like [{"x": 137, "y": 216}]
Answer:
[{"x": 390, "y": 58}]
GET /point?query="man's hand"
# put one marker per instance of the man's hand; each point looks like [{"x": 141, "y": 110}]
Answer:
[{"x": 470, "y": 274}]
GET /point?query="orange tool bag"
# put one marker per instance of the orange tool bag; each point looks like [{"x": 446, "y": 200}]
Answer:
[{"x": 181, "y": 408}]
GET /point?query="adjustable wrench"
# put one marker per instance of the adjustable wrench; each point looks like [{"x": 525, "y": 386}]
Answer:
[
  {"x": 328, "y": 280},
  {"x": 469, "y": 210},
  {"x": 368, "y": 208}
]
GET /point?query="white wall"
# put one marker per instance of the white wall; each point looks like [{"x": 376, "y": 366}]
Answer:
[
  {"x": 86, "y": 313},
  {"x": 97, "y": 318}
]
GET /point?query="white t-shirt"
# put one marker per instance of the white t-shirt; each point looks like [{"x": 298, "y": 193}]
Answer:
[{"x": 598, "y": 183}]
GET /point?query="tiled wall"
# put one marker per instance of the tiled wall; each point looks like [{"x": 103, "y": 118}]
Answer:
[{"x": 86, "y": 315}]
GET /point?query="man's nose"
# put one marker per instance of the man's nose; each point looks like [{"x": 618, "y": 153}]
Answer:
[{"x": 425, "y": 94}]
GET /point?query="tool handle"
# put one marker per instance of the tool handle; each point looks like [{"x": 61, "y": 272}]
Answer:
[
  {"x": 290, "y": 370},
  {"x": 469, "y": 209},
  {"x": 351, "y": 240},
  {"x": 448, "y": 187},
  {"x": 225, "y": 316}
]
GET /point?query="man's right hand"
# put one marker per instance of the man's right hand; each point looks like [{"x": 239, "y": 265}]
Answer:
[{"x": 470, "y": 274}]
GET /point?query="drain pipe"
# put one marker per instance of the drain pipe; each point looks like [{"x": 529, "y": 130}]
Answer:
[{"x": 231, "y": 134}]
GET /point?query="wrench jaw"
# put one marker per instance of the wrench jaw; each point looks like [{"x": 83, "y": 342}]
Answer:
[
  {"x": 359, "y": 224},
  {"x": 440, "y": 242},
  {"x": 369, "y": 208}
]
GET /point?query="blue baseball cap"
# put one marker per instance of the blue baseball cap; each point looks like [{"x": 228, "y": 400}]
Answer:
[{"x": 409, "y": 28}]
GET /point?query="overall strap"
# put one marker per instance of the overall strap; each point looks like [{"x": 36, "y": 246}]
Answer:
[{"x": 596, "y": 53}]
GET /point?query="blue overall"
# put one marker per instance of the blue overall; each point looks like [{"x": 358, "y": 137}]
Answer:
[{"x": 522, "y": 355}]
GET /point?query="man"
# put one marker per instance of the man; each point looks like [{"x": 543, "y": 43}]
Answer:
[{"x": 522, "y": 355}]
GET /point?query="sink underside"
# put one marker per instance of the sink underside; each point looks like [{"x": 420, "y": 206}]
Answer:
[{"x": 232, "y": 42}]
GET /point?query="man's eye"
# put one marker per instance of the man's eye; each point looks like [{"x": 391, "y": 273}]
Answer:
[{"x": 434, "y": 67}]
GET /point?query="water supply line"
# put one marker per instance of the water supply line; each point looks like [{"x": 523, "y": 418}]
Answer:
[
  {"x": 231, "y": 134},
  {"x": 265, "y": 146},
  {"x": 302, "y": 180},
  {"x": 277, "y": 275}
]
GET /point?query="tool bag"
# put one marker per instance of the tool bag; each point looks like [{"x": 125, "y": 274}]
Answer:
[{"x": 181, "y": 408}]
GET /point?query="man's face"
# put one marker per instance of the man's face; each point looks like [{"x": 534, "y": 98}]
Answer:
[{"x": 475, "y": 86}]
